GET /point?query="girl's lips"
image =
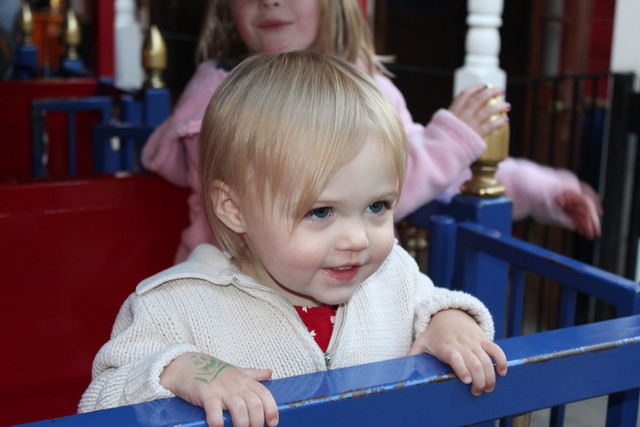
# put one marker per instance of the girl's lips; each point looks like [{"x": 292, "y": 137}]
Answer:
[
  {"x": 343, "y": 274},
  {"x": 272, "y": 24}
]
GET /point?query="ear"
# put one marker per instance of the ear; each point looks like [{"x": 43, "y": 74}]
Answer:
[{"x": 226, "y": 207}]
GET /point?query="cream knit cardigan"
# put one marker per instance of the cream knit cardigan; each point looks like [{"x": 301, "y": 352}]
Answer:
[{"x": 207, "y": 305}]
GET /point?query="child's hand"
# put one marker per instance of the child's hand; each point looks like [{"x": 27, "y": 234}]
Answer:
[
  {"x": 214, "y": 385},
  {"x": 455, "y": 338},
  {"x": 471, "y": 107},
  {"x": 583, "y": 209}
]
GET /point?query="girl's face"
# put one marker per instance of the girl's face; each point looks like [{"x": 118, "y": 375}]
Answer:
[
  {"x": 342, "y": 240},
  {"x": 270, "y": 26}
]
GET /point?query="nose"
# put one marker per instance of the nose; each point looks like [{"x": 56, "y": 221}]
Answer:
[{"x": 353, "y": 237}]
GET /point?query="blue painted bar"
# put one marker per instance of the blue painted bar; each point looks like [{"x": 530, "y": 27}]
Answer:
[
  {"x": 25, "y": 63},
  {"x": 132, "y": 138},
  {"x": 478, "y": 242},
  {"x": 102, "y": 104},
  {"x": 442, "y": 238},
  {"x": 623, "y": 293},
  {"x": 545, "y": 369},
  {"x": 157, "y": 103},
  {"x": 495, "y": 213},
  {"x": 516, "y": 302},
  {"x": 73, "y": 68}
]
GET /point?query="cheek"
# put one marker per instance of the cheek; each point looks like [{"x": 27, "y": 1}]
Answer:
[
  {"x": 311, "y": 17},
  {"x": 303, "y": 253},
  {"x": 385, "y": 238},
  {"x": 240, "y": 20}
]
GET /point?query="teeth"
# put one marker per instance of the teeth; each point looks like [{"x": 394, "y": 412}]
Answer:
[{"x": 342, "y": 268}]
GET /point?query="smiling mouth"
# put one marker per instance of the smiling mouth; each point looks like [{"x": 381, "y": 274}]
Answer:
[
  {"x": 273, "y": 24},
  {"x": 343, "y": 274}
]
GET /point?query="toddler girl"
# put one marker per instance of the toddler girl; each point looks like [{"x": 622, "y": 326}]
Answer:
[{"x": 302, "y": 162}]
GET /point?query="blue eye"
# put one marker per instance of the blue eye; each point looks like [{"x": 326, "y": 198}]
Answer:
[
  {"x": 377, "y": 207},
  {"x": 319, "y": 213}
]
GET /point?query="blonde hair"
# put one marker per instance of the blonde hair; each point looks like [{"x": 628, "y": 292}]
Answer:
[
  {"x": 342, "y": 31},
  {"x": 280, "y": 126}
]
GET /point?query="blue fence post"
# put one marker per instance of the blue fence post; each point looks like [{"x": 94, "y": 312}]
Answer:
[
  {"x": 485, "y": 277},
  {"x": 132, "y": 112},
  {"x": 25, "y": 62},
  {"x": 157, "y": 103},
  {"x": 442, "y": 258},
  {"x": 73, "y": 68}
]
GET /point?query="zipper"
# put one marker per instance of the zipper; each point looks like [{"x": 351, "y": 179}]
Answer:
[{"x": 329, "y": 354}]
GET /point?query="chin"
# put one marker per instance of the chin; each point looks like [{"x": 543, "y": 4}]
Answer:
[{"x": 336, "y": 300}]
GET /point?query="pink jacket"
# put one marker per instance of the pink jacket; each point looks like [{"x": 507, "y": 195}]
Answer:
[{"x": 439, "y": 156}]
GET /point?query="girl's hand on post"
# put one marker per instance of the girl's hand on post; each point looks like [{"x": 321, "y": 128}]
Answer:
[
  {"x": 455, "y": 338},
  {"x": 214, "y": 385},
  {"x": 471, "y": 106}
]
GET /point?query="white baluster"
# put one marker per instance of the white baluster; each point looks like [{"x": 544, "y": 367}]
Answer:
[
  {"x": 128, "y": 46},
  {"x": 481, "y": 65},
  {"x": 481, "y": 62}
]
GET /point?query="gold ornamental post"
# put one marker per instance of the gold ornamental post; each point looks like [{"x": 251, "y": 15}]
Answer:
[
  {"x": 483, "y": 183},
  {"x": 25, "y": 23},
  {"x": 72, "y": 35},
  {"x": 154, "y": 58}
]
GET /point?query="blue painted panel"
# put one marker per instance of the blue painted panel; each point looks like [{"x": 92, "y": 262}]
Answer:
[
  {"x": 621, "y": 292},
  {"x": 545, "y": 369}
]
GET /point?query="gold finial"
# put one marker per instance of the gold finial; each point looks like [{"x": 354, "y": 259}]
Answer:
[
  {"x": 154, "y": 58},
  {"x": 26, "y": 23},
  {"x": 56, "y": 6},
  {"x": 72, "y": 35},
  {"x": 483, "y": 182}
]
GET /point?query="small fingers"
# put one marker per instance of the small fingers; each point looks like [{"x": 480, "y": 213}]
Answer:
[
  {"x": 457, "y": 363},
  {"x": 213, "y": 411},
  {"x": 592, "y": 195},
  {"x": 495, "y": 352},
  {"x": 472, "y": 107},
  {"x": 269, "y": 405},
  {"x": 489, "y": 373},
  {"x": 237, "y": 408},
  {"x": 463, "y": 97},
  {"x": 476, "y": 365},
  {"x": 489, "y": 126}
]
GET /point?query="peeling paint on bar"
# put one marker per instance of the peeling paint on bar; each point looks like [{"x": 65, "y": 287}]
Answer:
[
  {"x": 363, "y": 392},
  {"x": 574, "y": 351}
]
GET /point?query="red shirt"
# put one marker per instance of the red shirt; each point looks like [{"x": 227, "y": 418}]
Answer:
[{"x": 319, "y": 321}]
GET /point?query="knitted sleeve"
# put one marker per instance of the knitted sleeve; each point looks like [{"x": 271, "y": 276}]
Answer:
[
  {"x": 429, "y": 300},
  {"x": 127, "y": 369}
]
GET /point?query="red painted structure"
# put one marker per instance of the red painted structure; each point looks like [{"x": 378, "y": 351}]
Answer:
[
  {"x": 15, "y": 122},
  {"x": 72, "y": 250},
  {"x": 104, "y": 38}
]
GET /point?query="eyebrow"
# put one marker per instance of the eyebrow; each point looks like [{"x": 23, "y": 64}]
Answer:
[{"x": 381, "y": 196}]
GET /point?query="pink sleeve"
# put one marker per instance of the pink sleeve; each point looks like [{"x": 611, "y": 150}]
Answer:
[
  {"x": 533, "y": 188},
  {"x": 438, "y": 153},
  {"x": 165, "y": 152}
]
